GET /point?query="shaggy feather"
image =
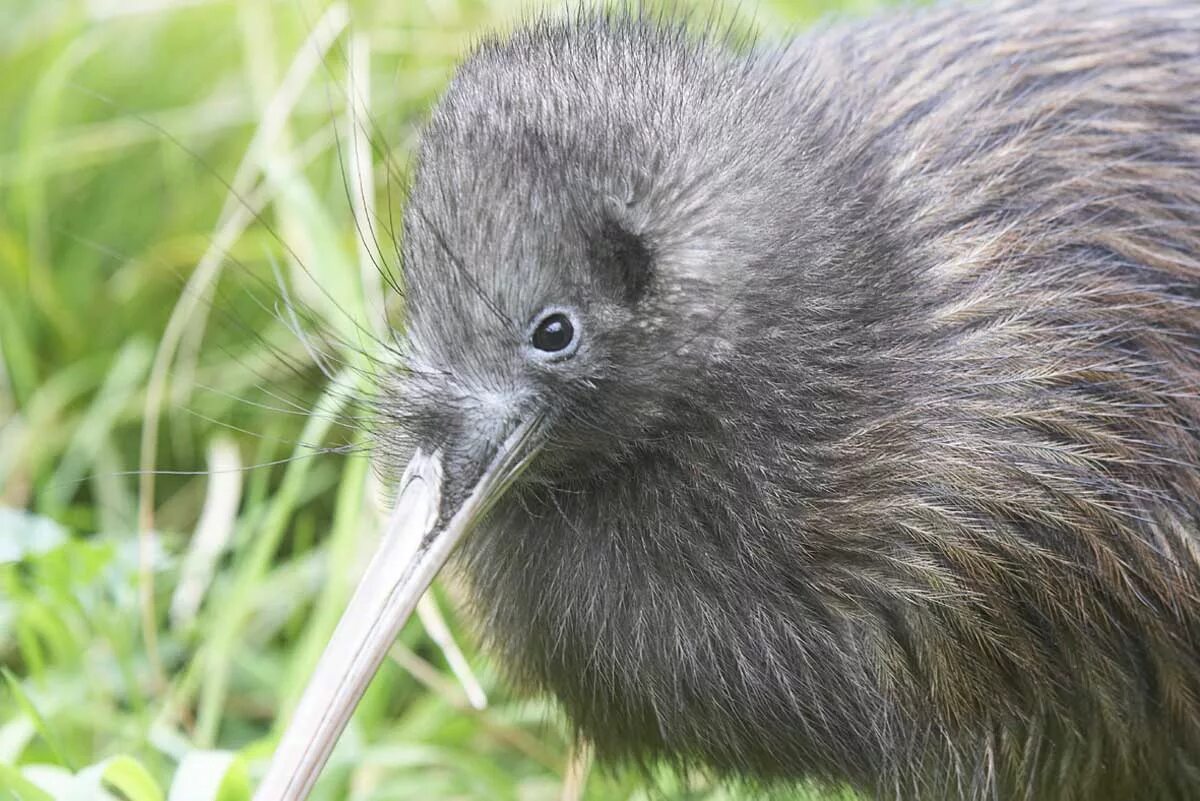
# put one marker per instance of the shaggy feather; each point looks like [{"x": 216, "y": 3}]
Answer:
[{"x": 879, "y": 460}]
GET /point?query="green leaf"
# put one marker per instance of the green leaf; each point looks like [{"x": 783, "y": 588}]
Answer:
[
  {"x": 30, "y": 709},
  {"x": 126, "y": 776},
  {"x": 15, "y": 786},
  {"x": 211, "y": 776},
  {"x": 23, "y": 535},
  {"x": 126, "y": 375}
]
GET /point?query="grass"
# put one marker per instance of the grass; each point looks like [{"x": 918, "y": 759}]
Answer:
[{"x": 184, "y": 497}]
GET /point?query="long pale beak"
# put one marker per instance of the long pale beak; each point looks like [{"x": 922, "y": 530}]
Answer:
[{"x": 412, "y": 552}]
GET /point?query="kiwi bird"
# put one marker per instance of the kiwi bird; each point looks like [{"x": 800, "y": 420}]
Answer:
[{"x": 825, "y": 411}]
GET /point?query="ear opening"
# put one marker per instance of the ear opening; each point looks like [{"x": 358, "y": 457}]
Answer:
[{"x": 622, "y": 257}]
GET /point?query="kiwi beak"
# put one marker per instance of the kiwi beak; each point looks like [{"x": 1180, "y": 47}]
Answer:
[{"x": 414, "y": 548}]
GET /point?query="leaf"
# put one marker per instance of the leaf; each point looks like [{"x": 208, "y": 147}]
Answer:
[
  {"x": 126, "y": 776},
  {"x": 30, "y": 709},
  {"x": 15, "y": 786},
  {"x": 15, "y": 734},
  {"x": 125, "y": 377},
  {"x": 211, "y": 776},
  {"x": 23, "y": 535}
]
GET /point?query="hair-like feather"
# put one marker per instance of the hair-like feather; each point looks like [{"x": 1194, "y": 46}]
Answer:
[{"x": 879, "y": 461}]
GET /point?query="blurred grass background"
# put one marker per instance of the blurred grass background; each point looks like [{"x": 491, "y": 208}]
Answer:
[{"x": 170, "y": 172}]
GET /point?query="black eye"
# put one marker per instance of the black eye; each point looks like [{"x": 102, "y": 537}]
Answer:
[{"x": 554, "y": 333}]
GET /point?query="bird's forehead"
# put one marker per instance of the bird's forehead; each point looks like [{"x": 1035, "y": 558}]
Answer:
[
  {"x": 481, "y": 265},
  {"x": 508, "y": 231},
  {"x": 494, "y": 254}
]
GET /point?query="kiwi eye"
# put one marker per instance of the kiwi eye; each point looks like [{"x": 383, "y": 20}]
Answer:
[{"x": 554, "y": 334}]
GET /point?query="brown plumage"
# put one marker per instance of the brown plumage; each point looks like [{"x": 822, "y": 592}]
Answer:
[
  {"x": 879, "y": 461},
  {"x": 1051, "y": 156}
]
